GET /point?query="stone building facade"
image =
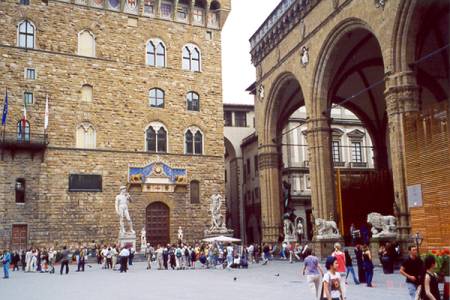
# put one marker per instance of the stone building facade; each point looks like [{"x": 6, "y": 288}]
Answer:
[
  {"x": 383, "y": 60},
  {"x": 134, "y": 93},
  {"x": 239, "y": 121}
]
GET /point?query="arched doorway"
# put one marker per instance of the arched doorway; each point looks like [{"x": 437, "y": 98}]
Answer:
[{"x": 157, "y": 224}]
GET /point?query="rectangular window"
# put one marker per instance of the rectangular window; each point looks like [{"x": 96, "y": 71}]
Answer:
[
  {"x": 166, "y": 10},
  {"x": 255, "y": 160},
  {"x": 149, "y": 8},
  {"x": 182, "y": 13},
  {"x": 30, "y": 74},
  {"x": 245, "y": 177},
  {"x": 85, "y": 183},
  {"x": 336, "y": 151},
  {"x": 248, "y": 166},
  {"x": 197, "y": 15},
  {"x": 195, "y": 192},
  {"x": 228, "y": 118},
  {"x": 28, "y": 98},
  {"x": 240, "y": 119},
  {"x": 20, "y": 190},
  {"x": 356, "y": 152},
  {"x": 226, "y": 176}
]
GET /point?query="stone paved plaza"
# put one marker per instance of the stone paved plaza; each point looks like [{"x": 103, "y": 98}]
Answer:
[{"x": 278, "y": 280}]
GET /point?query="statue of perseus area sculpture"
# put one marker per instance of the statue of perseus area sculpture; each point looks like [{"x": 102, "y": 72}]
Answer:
[
  {"x": 122, "y": 201},
  {"x": 216, "y": 217}
]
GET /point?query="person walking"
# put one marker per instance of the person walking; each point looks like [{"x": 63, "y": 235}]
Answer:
[
  {"x": 429, "y": 288},
  {"x": 15, "y": 260},
  {"x": 81, "y": 259},
  {"x": 359, "y": 262},
  {"x": 332, "y": 280},
  {"x": 349, "y": 267},
  {"x": 124, "y": 254},
  {"x": 340, "y": 257},
  {"x": 412, "y": 268},
  {"x": 313, "y": 273},
  {"x": 149, "y": 252},
  {"x": 51, "y": 260},
  {"x": 65, "y": 260},
  {"x": 368, "y": 265},
  {"x": 6, "y": 260}
]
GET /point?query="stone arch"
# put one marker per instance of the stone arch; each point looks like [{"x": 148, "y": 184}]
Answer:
[
  {"x": 322, "y": 76},
  {"x": 274, "y": 104}
]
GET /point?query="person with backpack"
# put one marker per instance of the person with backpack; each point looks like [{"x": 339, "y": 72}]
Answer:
[{"x": 6, "y": 260}]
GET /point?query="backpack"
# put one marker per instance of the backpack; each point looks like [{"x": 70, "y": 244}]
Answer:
[{"x": 178, "y": 252}]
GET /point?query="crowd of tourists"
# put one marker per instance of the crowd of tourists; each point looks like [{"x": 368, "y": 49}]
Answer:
[
  {"x": 330, "y": 284},
  {"x": 421, "y": 281}
]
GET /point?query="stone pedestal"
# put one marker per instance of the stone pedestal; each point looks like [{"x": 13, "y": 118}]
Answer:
[
  {"x": 323, "y": 247},
  {"x": 127, "y": 239},
  {"x": 213, "y": 233},
  {"x": 375, "y": 244}
]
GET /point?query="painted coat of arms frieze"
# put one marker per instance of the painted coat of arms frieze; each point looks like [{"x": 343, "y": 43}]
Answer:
[{"x": 157, "y": 177}]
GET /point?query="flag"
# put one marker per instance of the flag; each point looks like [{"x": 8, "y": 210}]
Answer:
[
  {"x": 5, "y": 109},
  {"x": 46, "y": 113}
]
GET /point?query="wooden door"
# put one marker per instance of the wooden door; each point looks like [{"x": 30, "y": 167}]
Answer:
[
  {"x": 19, "y": 237},
  {"x": 157, "y": 224}
]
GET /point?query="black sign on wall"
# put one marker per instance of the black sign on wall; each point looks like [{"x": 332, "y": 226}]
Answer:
[{"x": 85, "y": 183}]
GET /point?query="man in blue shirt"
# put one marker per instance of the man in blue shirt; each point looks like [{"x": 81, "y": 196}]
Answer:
[{"x": 6, "y": 260}]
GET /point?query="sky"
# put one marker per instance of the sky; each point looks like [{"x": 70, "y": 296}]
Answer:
[{"x": 238, "y": 72}]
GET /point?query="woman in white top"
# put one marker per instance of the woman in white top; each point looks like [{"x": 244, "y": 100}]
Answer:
[{"x": 332, "y": 280}]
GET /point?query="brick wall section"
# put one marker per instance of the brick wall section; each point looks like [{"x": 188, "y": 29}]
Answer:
[
  {"x": 119, "y": 112},
  {"x": 428, "y": 164}
]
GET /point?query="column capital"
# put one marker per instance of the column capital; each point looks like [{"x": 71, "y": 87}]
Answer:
[{"x": 401, "y": 93}]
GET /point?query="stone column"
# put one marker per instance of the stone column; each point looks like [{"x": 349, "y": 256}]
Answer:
[
  {"x": 322, "y": 182},
  {"x": 401, "y": 100},
  {"x": 321, "y": 169},
  {"x": 269, "y": 178}
]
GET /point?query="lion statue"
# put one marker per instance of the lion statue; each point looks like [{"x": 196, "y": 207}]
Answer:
[
  {"x": 326, "y": 228},
  {"x": 382, "y": 225}
]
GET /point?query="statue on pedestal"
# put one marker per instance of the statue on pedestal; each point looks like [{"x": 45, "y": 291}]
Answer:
[
  {"x": 122, "y": 209},
  {"x": 382, "y": 226},
  {"x": 326, "y": 229},
  {"x": 143, "y": 240},
  {"x": 218, "y": 225}
]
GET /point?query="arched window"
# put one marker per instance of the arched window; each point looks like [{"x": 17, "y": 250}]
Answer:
[
  {"x": 86, "y": 136},
  {"x": 191, "y": 58},
  {"x": 156, "y": 53},
  {"x": 156, "y": 137},
  {"x": 194, "y": 188},
  {"x": 86, "y": 43},
  {"x": 86, "y": 93},
  {"x": 26, "y": 34},
  {"x": 156, "y": 98},
  {"x": 23, "y": 132},
  {"x": 193, "y": 101},
  {"x": 193, "y": 138},
  {"x": 188, "y": 137}
]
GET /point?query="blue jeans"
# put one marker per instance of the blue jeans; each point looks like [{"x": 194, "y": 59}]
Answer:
[
  {"x": 412, "y": 288},
  {"x": 350, "y": 270},
  {"x": 6, "y": 270},
  {"x": 369, "y": 276}
]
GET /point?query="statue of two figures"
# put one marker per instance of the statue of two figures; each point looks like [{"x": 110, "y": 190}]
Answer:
[{"x": 217, "y": 219}]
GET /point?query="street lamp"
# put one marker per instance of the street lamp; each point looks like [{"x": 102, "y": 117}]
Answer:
[{"x": 418, "y": 239}]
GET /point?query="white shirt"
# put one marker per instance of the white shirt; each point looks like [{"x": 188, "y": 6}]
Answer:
[
  {"x": 124, "y": 252},
  {"x": 334, "y": 282}
]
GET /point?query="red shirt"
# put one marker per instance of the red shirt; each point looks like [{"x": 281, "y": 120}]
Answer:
[{"x": 340, "y": 257}]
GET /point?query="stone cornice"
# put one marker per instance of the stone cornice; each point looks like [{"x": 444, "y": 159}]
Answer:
[{"x": 281, "y": 21}]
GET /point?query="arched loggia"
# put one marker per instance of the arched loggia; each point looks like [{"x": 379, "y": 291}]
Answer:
[{"x": 285, "y": 96}]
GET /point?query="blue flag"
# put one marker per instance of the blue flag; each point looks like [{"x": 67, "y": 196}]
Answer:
[{"x": 5, "y": 109}]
